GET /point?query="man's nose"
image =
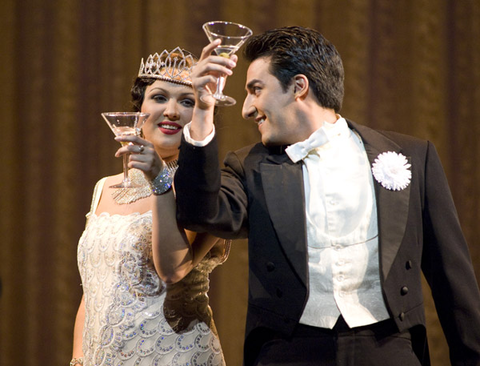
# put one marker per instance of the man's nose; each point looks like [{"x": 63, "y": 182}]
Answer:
[{"x": 248, "y": 110}]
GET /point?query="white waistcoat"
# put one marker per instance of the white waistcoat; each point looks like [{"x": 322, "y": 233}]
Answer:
[{"x": 342, "y": 233}]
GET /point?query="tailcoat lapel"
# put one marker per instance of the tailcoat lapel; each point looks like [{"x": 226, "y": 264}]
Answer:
[
  {"x": 282, "y": 183},
  {"x": 392, "y": 206}
]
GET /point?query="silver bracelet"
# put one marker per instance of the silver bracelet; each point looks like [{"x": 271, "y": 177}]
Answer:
[
  {"x": 76, "y": 361},
  {"x": 162, "y": 182}
]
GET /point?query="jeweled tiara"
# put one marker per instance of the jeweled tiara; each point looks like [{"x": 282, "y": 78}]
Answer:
[{"x": 174, "y": 66}]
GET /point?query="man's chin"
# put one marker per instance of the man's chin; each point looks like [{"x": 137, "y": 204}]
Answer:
[
  {"x": 267, "y": 142},
  {"x": 272, "y": 144}
]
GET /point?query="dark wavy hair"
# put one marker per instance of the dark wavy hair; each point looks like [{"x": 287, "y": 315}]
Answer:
[
  {"x": 138, "y": 92},
  {"x": 297, "y": 50}
]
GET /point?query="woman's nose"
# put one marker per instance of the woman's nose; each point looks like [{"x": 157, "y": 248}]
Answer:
[{"x": 171, "y": 111}]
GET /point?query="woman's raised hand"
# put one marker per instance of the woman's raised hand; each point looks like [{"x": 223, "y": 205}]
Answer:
[{"x": 142, "y": 155}]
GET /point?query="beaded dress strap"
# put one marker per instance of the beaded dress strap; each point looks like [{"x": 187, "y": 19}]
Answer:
[{"x": 97, "y": 193}]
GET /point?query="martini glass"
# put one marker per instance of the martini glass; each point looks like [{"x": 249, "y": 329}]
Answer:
[
  {"x": 233, "y": 35},
  {"x": 125, "y": 124}
]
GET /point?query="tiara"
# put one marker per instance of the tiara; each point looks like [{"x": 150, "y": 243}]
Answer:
[{"x": 175, "y": 66}]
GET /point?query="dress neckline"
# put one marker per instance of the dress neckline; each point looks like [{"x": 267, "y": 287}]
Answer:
[{"x": 108, "y": 214}]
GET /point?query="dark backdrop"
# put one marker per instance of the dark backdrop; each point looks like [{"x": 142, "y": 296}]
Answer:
[{"x": 412, "y": 66}]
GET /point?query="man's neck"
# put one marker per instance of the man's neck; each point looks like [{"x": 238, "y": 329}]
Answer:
[{"x": 316, "y": 116}]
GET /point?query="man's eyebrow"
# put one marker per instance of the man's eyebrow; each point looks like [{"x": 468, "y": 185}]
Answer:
[{"x": 252, "y": 83}]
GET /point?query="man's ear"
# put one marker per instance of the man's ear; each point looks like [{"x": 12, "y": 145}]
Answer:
[{"x": 300, "y": 86}]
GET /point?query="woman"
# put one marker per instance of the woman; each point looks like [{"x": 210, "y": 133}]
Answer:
[{"x": 145, "y": 280}]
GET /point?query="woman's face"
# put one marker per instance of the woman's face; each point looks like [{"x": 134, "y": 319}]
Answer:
[{"x": 170, "y": 106}]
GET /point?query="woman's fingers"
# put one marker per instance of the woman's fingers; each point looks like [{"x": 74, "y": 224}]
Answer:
[
  {"x": 132, "y": 145},
  {"x": 141, "y": 155}
]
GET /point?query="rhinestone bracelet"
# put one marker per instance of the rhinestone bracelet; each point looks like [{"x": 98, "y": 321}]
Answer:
[
  {"x": 162, "y": 182},
  {"x": 76, "y": 361}
]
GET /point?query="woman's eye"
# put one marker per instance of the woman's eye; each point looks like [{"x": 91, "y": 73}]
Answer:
[
  {"x": 159, "y": 98},
  {"x": 188, "y": 103}
]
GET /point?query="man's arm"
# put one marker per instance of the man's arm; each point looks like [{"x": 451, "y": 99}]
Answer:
[
  {"x": 208, "y": 199},
  {"x": 204, "y": 79},
  {"x": 202, "y": 203},
  {"x": 448, "y": 268}
]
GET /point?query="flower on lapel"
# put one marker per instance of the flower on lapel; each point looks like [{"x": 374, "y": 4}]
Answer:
[{"x": 392, "y": 171}]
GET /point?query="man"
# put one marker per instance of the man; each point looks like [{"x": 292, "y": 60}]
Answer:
[{"x": 341, "y": 219}]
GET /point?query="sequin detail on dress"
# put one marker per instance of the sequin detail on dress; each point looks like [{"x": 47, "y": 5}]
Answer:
[{"x": 131, "y": 316}]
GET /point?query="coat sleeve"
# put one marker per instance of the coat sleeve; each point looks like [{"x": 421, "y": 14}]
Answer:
[
  {"x": 210, "y": 199},
  {"x": 448, "y": 268}
]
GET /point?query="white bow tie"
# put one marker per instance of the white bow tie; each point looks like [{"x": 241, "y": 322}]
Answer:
[
  {"x": 300, "y": 150},
  {"x": 328, "y": 132}
]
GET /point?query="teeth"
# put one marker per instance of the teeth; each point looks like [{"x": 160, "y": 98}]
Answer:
[{"x": 169, "y": 127}]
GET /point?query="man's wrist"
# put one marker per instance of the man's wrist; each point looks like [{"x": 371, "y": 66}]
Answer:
[{"x": 198, "y": 143}]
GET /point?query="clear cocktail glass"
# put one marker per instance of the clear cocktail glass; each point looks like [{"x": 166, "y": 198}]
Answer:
[
  {"x": 233, "y": 35},
  {"x": 125, "y": 124}
]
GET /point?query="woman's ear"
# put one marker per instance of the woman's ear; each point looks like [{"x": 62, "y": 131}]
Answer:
[{"x": 300, "y": 86}]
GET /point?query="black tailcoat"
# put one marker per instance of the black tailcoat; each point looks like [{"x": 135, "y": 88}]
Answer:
[{"x": 260, "y": 195}]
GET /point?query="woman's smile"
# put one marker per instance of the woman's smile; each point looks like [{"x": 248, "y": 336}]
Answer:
[{"x": 169, "y": 128}]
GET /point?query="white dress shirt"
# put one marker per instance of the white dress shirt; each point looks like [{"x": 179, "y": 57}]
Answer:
[{"x": 342, "y": 232}]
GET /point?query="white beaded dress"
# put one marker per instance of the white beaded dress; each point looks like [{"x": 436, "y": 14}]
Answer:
[{"x": 131, "y": 317}]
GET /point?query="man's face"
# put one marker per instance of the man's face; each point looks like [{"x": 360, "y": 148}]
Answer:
[{"x": 274, "y": 110}]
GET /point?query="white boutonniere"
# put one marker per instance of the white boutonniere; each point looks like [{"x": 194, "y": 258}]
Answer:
[{"x": 392, "y": 171}]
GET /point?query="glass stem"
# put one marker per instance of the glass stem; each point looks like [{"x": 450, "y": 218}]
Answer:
[
  {"x": 125, "y": 169},
  {"x": 220, "y": 86}
]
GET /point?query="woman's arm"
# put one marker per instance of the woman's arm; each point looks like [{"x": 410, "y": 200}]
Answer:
[
  {"x": 175, "y": 251},
  {"x": 78, "y": 331}
]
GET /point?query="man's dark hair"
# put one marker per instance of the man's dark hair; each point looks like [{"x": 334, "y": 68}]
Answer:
[{"x": 297, "y": 50}]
